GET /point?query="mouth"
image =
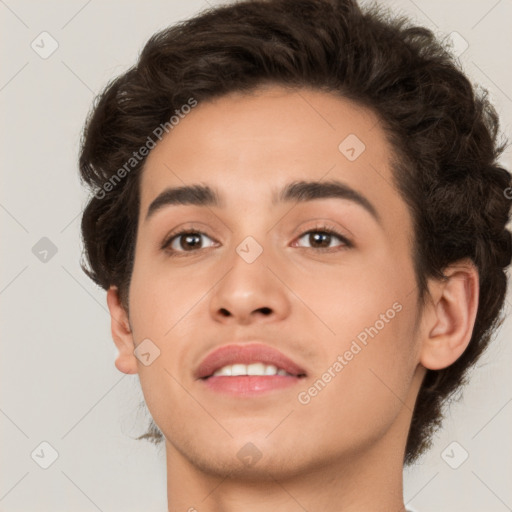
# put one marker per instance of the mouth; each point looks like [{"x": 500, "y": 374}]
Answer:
[
  {"x": 253, "y": 369},
  {"x": 248, "y": 369}
]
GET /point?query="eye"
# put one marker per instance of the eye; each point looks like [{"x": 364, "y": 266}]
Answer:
[
  {"x": 184, "y": 241},
  {"x": 189, "y": 241},
  {"x": 321, "y": 237}
]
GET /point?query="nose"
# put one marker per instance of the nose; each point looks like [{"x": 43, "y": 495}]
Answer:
[{"x": 250, "y": 292}]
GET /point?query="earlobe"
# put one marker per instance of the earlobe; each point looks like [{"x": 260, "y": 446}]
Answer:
[
  {"x": 126, "y": 362},
  {"x": 451, "y": 317}
]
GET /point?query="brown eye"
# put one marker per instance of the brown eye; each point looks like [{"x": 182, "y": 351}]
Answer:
[
  {"x": 186, "y": 241},
  {"x": 322, "y": 239}
]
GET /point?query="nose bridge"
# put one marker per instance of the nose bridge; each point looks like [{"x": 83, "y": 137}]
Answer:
[
  {"x": 249, "y": 287},
  {"x": 251, "y": 235}
]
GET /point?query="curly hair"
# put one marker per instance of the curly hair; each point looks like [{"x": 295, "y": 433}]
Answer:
[{"x": 443, "y": 130}]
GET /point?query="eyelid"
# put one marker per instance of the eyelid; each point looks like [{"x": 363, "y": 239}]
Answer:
[
  {"x": 324, "y": 226},
  {"x": 190, "y": 226},
  {"x": 175, "y": 233}
]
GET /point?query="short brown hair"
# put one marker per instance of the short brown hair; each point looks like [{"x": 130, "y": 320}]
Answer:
[{"x": 444, "y": 133}]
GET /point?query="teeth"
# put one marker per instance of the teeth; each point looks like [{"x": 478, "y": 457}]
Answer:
[
  {"x": 238, "y": 369},
  {"x": 270, "y": 369},
  {"x": 249, "y": 369}
]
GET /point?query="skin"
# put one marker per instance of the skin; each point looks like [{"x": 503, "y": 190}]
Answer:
[{"x": 342, "y": 451}]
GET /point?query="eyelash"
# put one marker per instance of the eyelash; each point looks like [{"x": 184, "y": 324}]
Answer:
[{"x": 324, "y": 229}]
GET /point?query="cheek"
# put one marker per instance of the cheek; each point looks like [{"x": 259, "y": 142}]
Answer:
[
  {"x": 371, "y": 353},
  {"x": 349, "y": 299},
  {"x": 367, "y": 380},
  {"x": 159, "y": 298},
  {"x": 356, "y": 399}
]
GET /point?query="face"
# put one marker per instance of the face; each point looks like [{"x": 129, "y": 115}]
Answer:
[{"x": 276, "y": 273}]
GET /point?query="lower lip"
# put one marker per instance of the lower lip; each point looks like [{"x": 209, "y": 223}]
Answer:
[{"x": 244, "y": 385}]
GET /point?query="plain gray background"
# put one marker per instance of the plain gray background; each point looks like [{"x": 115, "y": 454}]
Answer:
[{"x": 58, "y": 380}]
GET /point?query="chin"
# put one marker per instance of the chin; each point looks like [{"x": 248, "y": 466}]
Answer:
[
  {"x": 268, "y": 468},
  {"x": 253, "y": 457}
]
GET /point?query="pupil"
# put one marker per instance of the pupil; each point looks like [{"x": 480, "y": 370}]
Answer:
[
  {"x": 316, "y": 237},
  {"x": 192, "y": 237}
]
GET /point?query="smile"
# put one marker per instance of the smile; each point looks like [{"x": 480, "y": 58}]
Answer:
[{"x": 260, "y": 369}]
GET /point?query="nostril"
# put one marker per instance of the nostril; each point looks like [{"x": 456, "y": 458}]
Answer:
[{"x": 266, "y": 310}]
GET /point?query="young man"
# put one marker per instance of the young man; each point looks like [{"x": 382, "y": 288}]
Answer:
[{"x": 300, "y": 221}]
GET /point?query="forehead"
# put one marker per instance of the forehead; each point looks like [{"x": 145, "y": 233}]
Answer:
[{"x": 250, "y": 145}]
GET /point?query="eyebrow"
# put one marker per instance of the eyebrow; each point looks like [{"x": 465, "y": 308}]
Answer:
[{"x": 300, "y": 191}]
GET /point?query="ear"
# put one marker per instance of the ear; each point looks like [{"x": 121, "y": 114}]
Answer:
[
  {"x": 451, "y": 316},
  {"x": 126, "y": 362}
]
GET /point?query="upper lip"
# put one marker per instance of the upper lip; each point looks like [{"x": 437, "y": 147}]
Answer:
[{"x": 246, "y": 354}]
